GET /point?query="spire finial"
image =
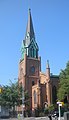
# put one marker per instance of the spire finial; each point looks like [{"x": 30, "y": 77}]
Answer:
[{"x": 29, "y": 10}]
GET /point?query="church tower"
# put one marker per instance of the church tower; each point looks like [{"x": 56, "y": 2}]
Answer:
[{"x": 30, "y": 63}]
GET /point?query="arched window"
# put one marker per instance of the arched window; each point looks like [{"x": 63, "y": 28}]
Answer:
[
  {"x": 32, "y": 82},
  {"x": 21, "y": 72},
  {"x": 31, "y": 52},
  {"x": 35, "y": 97},
  {"x": 36, "y": 53},
  {"x": 54, "y": 94},
  {"x": 32, "y": 69}
]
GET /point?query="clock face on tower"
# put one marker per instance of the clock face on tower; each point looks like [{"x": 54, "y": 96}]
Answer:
[{"x": 33, "y": 69}]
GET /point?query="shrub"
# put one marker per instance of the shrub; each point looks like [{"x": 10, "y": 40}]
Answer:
[{"x": 46, "y": 111}]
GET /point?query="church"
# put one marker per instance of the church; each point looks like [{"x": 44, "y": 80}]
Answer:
[{"x": 41, "y": 87}]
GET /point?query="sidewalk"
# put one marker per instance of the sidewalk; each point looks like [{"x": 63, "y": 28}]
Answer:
[{"x": 32, "y": 118}]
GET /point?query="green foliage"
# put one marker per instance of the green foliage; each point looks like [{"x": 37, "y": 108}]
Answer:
[
  {"x": 11, "y": 95},
  {"x": 41, "y": 114},
  {"x": 38, "y": 110},
  {"x": 64, "y": 83},
  {"x": 46, "y": 111},
  {"x": 27, "y": 101},
  {"x": 51, "y": 108}
]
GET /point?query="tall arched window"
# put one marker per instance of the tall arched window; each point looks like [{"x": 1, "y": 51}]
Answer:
[
  {"x": 31, "y": 52},
  {"x": 35, "y": 97},
  {"x": 32, "y": 82},
  {"x": 54, "y": 94},
  {"x": 36, "y": 53}
]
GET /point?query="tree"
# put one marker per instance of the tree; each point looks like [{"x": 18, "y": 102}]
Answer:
[
  {"x": 51, "y": 108},
  {"x": 11, "y": 94},
  {"x": 63, "y": 92}
]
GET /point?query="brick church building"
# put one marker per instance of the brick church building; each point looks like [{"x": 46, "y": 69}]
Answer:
[{"x": 41, "y": 87}]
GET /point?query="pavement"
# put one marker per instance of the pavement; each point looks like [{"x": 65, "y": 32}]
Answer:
[{"x": 32, "y": 118}]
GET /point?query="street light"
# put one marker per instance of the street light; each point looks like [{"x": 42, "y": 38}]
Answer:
[
  {"x": 23, "y": 97},
  {"x": 59, "y": 105},
  {"x": 23, "y": 105}
]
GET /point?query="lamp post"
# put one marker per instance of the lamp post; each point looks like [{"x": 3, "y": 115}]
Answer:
[
  {"x": 23, "y": 105},
  {"x": 59, "y": 105},
  {"x": 23, "y": 97}
]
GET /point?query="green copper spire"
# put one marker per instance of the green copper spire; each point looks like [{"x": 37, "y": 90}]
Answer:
[{"x": 29, "y": 45}]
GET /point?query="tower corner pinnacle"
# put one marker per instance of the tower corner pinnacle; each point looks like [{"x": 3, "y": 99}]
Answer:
[{"x": 47, "y": 65}]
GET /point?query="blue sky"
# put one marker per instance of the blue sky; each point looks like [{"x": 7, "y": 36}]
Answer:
[{"x": 51, "y": 26}]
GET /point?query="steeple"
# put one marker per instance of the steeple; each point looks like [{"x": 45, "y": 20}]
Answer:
[
  {"x": 29, "y": 29},
  {"x": 29, "y": 45}
]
